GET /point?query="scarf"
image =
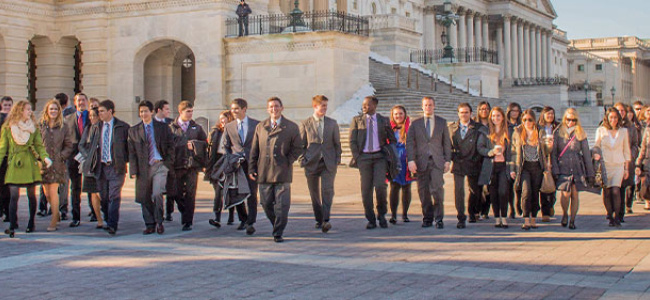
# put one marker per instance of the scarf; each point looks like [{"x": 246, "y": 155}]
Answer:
[{"x": 21, "y": 131}]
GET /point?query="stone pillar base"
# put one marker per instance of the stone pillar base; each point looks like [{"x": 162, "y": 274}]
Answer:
[{"x": 483, "y": 77}]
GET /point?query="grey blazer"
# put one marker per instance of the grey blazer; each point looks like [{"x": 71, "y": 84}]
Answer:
[
  {"x": 232, "y": 142},
  {"x": 419, "y": 147},
  {"x": 329, "y": 148}
]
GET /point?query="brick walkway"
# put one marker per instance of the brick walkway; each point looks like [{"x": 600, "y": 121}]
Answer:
[{"x": 404, "y": 261}]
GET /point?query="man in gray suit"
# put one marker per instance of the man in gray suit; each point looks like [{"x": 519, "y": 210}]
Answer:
[
  {"x": 322, "y": 154},
  {"x": 428, "y": 148},
  {"x": 369, "y": 134},
  {"x": 239, "y": 139},
  {"x": 276, "y": 145}
]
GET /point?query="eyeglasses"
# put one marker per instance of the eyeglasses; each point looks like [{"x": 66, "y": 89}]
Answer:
[
  {"x": 571, "y": 120},
  {"x": 528, "y": 120}
]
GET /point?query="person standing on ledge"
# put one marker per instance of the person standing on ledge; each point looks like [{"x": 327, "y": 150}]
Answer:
[{"x": 243, "y": 10}]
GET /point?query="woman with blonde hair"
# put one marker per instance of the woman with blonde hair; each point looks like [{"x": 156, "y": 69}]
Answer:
[
  {"x": 495, "y": 147},
  {"x": 22, "y": 145},
  {"x": 611, "y": 141},
  {"x": 571, "y": 164},
  {"x": 59, "y": 142}
]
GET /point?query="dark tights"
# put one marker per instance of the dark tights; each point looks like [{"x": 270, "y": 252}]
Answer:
[
  {"x": 612, "y": 200},
  {"x": 14, "y": 190},
  {"x": 394, "y": 198}
]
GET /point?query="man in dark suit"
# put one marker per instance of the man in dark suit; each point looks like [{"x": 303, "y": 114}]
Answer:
[
  {"x": 466, "y": 163},
  {"x": 428, "y": 148},
  {"x": 190, "y": 156},
  {"x": 369, "y": 133},
  {"x": 239, "y": 139},
  {"x": 322, "y": 153},
  {"x": 114, "y": 154},
  {"x": 151, "y": 156},
  {"x": 276, "y": 145},
  {"x": 162, "y": 113},
  {"x": 77, "y": 122}
]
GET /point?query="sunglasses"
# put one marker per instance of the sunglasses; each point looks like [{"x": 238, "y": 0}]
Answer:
[
  {"x": 572, "y": 120},
  {"x": 528, "y": 120}
]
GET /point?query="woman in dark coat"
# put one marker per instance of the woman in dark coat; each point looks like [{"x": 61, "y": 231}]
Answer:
[
  {"x": 627, "y": 188},
  {"x": 86, "y": 147},
  {"x": 495, "y": 147},
  {"x": 547, "y": 126},
  {"x": 216, "y": 152},
  {"x": 571, "y": 162},
  {"x": 399, "y": 122},
  {"x": 643, "y": 161},
  {"x": 483, "y": 117},
  {"x": 58, "y": 140}
]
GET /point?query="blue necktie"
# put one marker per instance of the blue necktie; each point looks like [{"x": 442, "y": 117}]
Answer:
[
  {"x": 241, "y": 132},
  {"x": 150, "y": 139},
  {"x": 428, "y": 127},
  {"x": 106, "y": 147},
  {"x": 463, "y": 131}
]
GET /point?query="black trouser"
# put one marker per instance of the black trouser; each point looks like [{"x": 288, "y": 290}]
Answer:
[
  {"x": 547, "y": 202},
  {"x": 394, "y": 198},
  {"x": 218, "y": 206},
  {"x": 321, "y": 191},
  {"x": 627, "y": 193},
  {"x": 243, "y": 25},
  {"x": 372, "y": 168},
  {"x": 531, "y": 181},
  {"x": 612, "y": 201},
  {"x": 473, "y": 200},
  {"x": 75, "y": 194},
  {"x": 500, "y": 187},
  {"x": 185, "y": 197},
  {"x": 13, "y": 206}
]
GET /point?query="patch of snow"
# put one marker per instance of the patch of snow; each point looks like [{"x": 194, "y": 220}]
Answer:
[{"x": 350, "y": 108}]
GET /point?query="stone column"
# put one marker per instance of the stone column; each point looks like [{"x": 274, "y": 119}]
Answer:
[
  {"x": 478, "y": 31},
  {"x": 549, "y": 54},
  {"x": 486, "y": 32},
  {"x": 429, "y": 30},
  {"x": 514, "y": 58},
  {"x": 499, "y": 42},
  {"x": 538, "y": 42},
  {"x": 507, "y": 57},
  {"x": 542, "y": 45},
  {"x": 520, "y": 48},
  {"x": 15, "y": 67},
  {"x": 526, "y": 48},
  {"x": 462, "y": 29},
  {"x": 533, "y": 51},
  {"x": 635, "y": 76},
  {"x": 470, "y": 30}
]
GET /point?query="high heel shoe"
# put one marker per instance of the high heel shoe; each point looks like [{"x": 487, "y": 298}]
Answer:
[
  {"x": 29, "y": 229},
  {"x": 10, "y": 232},
  {"x": 572, "y": 225},
  {"x": 50, "y": 229},
  {"x": 392, "y": 221},
  {"x": 564, "y": 221},
  {"x": 525, "y": 227}
]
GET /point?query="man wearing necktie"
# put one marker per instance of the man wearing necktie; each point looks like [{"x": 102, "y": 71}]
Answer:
[
  {"x": 114, "y": 154},
  {"x": 467, "y": 163},
  {"x": 322, "y": 155},
  {"x": 76, "y": 122},
  {"x": 239, "y": 139},
  {"x": 276, "y": 145},
  {"x": 151, "y": 147},
  {"x": 428, "y": 148},
  {"x": 190, "y": 156},
  {"x": 370, "y": 132}
]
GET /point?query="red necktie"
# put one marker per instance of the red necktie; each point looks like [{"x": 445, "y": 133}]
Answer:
[{"x": 80, "y": 123}]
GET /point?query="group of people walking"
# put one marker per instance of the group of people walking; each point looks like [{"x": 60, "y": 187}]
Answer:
[{"x": 512, "y": 161}]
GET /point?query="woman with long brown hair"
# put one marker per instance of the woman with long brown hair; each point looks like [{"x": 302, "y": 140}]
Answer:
[
  {"x": 627, "y": 187},
  {"x": 547, "y": 126},
  {"x": 86, "y": 146},
  {"x": 483, "y": 118},
  {"x": 611, "y": 141},
  {"x": 22, "y": 145},
  {"x": 495, "y": 147},
  {"x": 528, "y": 163},
  {"x": 399, "y": 122},
  {"x": 571, "y": 164},
  {"x": 59, "y": 143},
  {"x": 217, "y": 150}
]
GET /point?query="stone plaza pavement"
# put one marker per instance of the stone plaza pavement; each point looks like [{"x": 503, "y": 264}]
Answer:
[{"x": 404, "y": 261}]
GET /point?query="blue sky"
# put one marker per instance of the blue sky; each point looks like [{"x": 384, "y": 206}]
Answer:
[{"x": 603, "y": 18}]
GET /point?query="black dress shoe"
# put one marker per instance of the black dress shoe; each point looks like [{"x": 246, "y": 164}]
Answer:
[
  {"x": 405, "y": 219},
  {"x": 472, "y": 220},
  {"x": 427, "y": 224},
  {"x": 160, "y": 228},
  {"x": 250, "y": 229},
  {"x": 241, "y": 226},
  {"x": 10, "y": 232},
  {"x": 383, "y": 223},
  {"x": 440, "y": 225},
  {"x": 460, "y": 225},
  {"x": 525, "y": 227},
  {"x": 148, "y": 231},
  {"x": 64, "y": 217},
  {"x": 371, "y": 225},
  {"x": 326, "y": 227},
  {"x": 612, "y": 223},
  {"x": 214, "y": 223},
  {"x": 498, "y": 225},
  {"x": 29, "y": 229},
  {"x": 230, "y": 223},
  {"x": 111, "y": 230},
  {"x": 75, "y": 223},
  {"x": 318, "y": 226},
  {"x": 392, "y": 221},
  {"x": 169, "y": 218},
  {"x": 187, "y": 227},
  {"x": 278, "y": 239}
]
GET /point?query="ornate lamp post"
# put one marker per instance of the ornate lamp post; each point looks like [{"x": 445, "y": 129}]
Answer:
[
  {"x": 446, "y": 19},
  {"x": 613, "y": 91},
  {"x": 586, "y": 87},
  {"x": 296, "y": 17}
]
